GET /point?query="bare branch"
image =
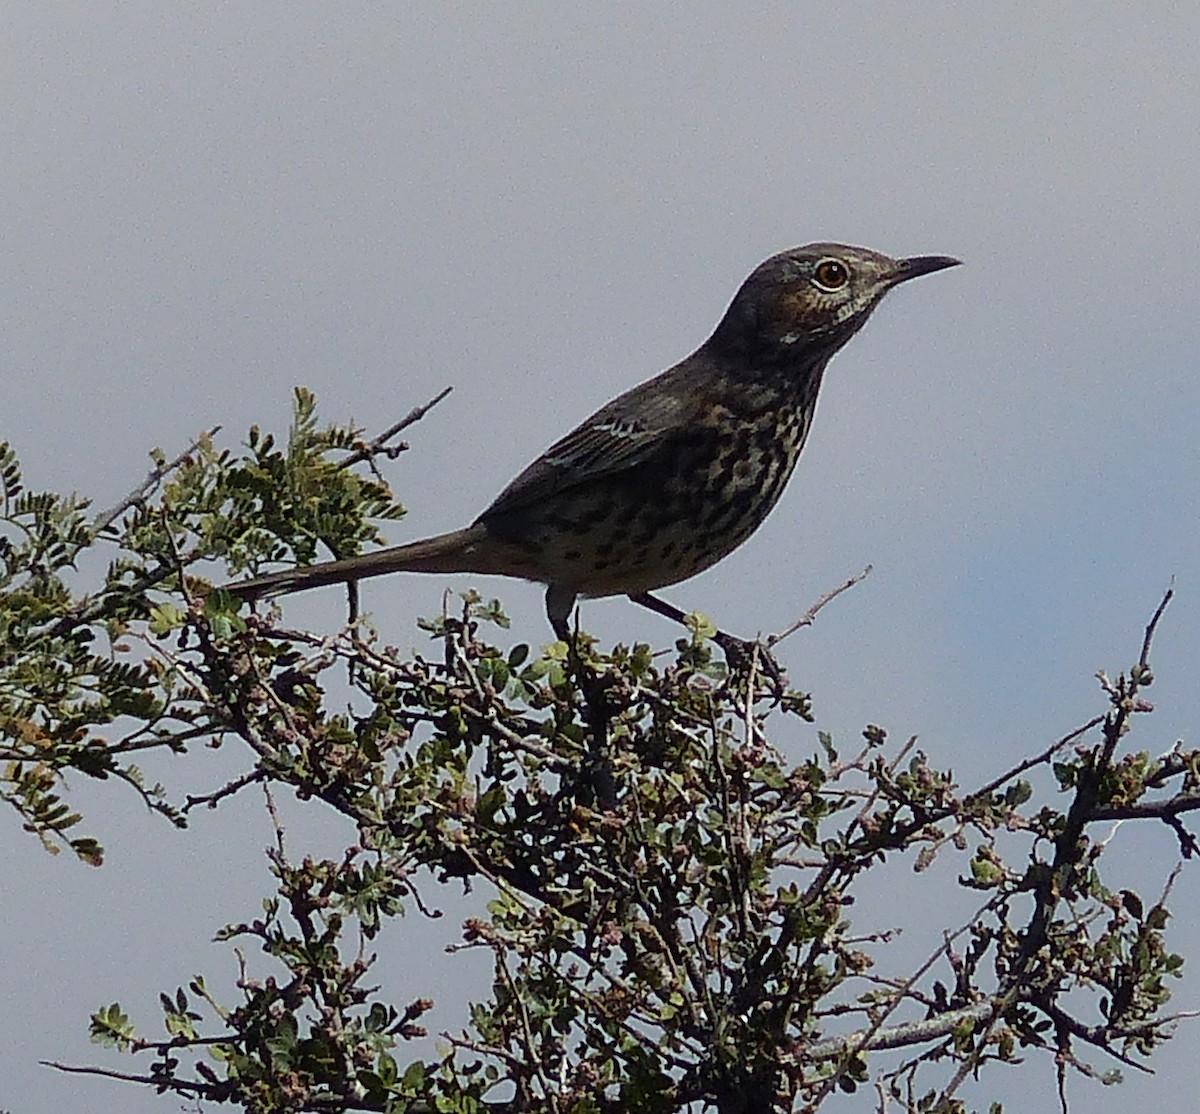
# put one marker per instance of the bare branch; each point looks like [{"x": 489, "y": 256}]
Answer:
[
  {"x": 807, "y": 619},
  {"x": 182, "y": 1085},
  {"x": 893, "y": 1036},
  {"x": 157, "y": 474},
  {"x": 1150, "y": 810},
  {"x": 1098, "y": 1036},
  {"x": 379, "y": 445},
  {"x": 1037, "y": 759},
  {"x": 228, "y": 790},
  {"x": 1152, "y": 626}
]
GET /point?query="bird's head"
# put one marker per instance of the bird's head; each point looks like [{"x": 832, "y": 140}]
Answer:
[{"x": 807, "y": 302}]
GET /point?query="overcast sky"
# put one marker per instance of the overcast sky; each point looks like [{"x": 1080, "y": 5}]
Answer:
[{"x": 543, "y": 204}]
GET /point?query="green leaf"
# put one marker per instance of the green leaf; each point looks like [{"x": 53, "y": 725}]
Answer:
[
  {"x": 166, "y": 617},
  {"x": 111, "y": 1027}
]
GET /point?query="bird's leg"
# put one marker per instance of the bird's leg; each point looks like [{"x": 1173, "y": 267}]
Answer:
[
  {"x": 560, "y": 601},
  {"x": 738, "y": 651}
]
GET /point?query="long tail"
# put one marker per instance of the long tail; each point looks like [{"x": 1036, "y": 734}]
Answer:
[{"x": 459, "y": 551}]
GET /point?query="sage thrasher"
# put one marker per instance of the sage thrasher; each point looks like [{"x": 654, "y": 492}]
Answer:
[{"x": 674, "y": 474}]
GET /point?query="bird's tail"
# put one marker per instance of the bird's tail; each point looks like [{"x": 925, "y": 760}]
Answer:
[{"x": 459, "y": 551}]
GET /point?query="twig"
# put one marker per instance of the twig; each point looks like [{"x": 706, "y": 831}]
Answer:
[
  {"x": 1067, "y": 853},
  {"x": 892, "y": 1036},
  {"x": 519, "y": 742},
  {"x": 1036, "y": 760},
  {"x": 1166, "y": 811},
  {"x": 335, "y": 1104},
  {"x": 1152, "y": 810},
  {"x": 1188, "y": 847},
  {"x": 1095, "y": 1035},
  {"x": 806, "y": 620},
  {"x": 228, "y": 790},
  {"x": 1153, "y": 625},
  {"x": 183, "y": 1085},
  {"x": 877, "y": 1036},
  {"x": 276, "y": 822},
  {"x": 377, "y": 445},
  {"x": 834, "y": 864},
  {"x": 157, "y": 474}
]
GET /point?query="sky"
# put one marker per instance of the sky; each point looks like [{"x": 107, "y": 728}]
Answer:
[{"x": 542, "y": 205}]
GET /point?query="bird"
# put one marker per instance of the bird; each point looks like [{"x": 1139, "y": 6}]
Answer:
[{"x": 676, "y": 473}]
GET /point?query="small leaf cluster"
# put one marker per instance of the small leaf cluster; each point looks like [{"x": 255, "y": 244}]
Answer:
[
  {"x": 55, "y": 688},
  {"x": 70, "y": 664}
]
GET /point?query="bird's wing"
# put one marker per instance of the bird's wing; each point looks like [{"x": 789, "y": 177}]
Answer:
[{"x": 625, "y": 433}]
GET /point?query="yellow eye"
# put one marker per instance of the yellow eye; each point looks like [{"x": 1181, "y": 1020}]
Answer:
[{"x": 831, "y": 274}]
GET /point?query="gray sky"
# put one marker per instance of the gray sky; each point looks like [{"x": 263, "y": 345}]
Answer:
[{"x": 206, "y": 204}]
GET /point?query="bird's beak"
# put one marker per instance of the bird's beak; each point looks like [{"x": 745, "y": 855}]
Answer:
[{"x": 920, "y": 265}]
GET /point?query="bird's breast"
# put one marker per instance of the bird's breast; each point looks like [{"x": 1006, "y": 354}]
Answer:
[{"x": 672, "y": 515}]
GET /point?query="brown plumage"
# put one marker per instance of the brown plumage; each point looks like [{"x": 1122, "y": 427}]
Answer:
[{"x": 674, "y": 474}]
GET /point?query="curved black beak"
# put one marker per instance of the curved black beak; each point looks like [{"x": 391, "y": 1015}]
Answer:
[{"x": 920, "y": 265}]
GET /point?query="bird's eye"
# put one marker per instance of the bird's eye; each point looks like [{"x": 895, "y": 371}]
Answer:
[{"x": 831, "y": 274}]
